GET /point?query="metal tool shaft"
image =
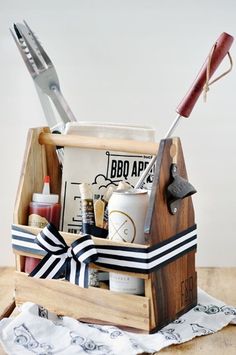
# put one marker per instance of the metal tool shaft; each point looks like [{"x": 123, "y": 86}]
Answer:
[
  {"x": 221, "y": 48},
  {"x": 142, "y": 178}
]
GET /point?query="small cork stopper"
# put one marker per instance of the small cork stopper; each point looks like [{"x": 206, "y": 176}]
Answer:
[
  {"x": 123, "y": 186},
  {"x": 109, "y": 191},
  {"x": 86, "y": 191}
]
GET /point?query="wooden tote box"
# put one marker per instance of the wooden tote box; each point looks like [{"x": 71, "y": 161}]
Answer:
[{"x": 168, "y": 259}]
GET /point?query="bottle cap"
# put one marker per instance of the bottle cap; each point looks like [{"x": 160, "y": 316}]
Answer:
[
  {"x": 45, "y": 198},
  {"x": 46, "y": 185}
]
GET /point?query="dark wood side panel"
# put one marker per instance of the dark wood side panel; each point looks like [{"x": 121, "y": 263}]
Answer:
[{"x": 174, "y": 286}]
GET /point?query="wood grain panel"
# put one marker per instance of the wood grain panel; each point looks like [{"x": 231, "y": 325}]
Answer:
[
  {"x": 174, "y": 286},
  {"x": 81, "y": 303}
]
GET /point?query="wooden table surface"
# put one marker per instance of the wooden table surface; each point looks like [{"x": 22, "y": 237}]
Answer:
[{"x": 218, "y": 282}]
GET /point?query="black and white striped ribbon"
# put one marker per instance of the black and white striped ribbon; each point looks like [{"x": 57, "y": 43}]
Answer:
[
  {"x": 61, "y": 260},
  {"x": 132, "y": 259},
  {"x": 146, "y": 260}
]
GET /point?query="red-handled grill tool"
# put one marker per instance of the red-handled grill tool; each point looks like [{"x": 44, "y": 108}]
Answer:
[{"x": 220, "y": 49}]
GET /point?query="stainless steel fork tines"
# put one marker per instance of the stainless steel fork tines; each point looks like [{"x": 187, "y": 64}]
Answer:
[{"x": 43, "y": 73}]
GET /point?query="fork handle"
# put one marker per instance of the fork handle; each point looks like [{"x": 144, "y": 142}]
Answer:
[{"x": 61, "y": 105}]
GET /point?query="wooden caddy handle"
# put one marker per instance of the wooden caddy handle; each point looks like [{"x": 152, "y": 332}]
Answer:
[
  {"x": 123, "y": 145},
  {"x": 221, "y": 48}
]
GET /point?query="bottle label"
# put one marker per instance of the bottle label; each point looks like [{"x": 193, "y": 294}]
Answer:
[
  {"x": 93, "y": 278},
  {"x": 126, "y": 284},
  {"x": 87, "y": 212},
  {"x": 121, "y": 227},
  {"x": 37, "y": 221}
]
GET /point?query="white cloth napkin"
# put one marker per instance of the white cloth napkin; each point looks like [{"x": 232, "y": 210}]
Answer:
[{"x": 37, "y": 331}]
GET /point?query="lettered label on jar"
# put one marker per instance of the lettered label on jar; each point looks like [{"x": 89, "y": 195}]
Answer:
[
  {"x": 126, "y": 284},
  {"x": 121, "y": 227},
  {"x": 37, "y": 221}
]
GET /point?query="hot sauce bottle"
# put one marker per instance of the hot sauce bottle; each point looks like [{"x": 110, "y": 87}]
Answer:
[{"x": 43, "y": 209}]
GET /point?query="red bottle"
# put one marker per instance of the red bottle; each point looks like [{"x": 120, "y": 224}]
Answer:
[{"x": 43, "y": 209}]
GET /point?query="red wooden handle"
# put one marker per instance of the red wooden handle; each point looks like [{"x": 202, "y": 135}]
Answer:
[{"x": 222, "y": 47}]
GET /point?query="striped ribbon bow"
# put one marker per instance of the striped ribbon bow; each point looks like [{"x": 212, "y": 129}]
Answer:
[{"x": 64, "y": 261}]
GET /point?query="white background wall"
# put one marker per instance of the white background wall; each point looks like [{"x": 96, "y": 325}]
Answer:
[{"x": 129, "y": 61}]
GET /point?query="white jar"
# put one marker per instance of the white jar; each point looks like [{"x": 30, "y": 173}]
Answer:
[{"x": 127, "y": 213}]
